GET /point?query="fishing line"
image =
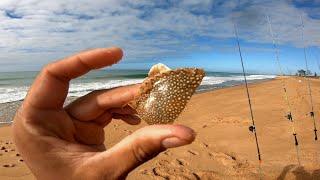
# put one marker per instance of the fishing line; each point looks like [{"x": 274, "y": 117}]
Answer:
[
  {"x": 252, "y": 128},
  {"x": 289, "y": 116},
  {"x": 312, "y": 114}
]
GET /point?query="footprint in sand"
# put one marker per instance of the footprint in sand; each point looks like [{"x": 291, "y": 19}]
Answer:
[
  {"x": 163, "y": 162},
  {"x": 216, "y": 119},
  {"x": 168, "y": 153},
  {"x": 8, "y": 165},
  {"x": 128, "y": 131},
  {"x": 207, "y": 175},
  {"x": 225, "y": 156},
  {"x": 145, "y": 172},
  {"x": 229, "y": 160},
  {"x": 157, "y": 171},
  {"x": 193, "y": 152},
  {"x": 174, "y": 173},
  {"x": 205, "y": 145},
  {"x": 181, "y": 162},
  {"x": 230, "y": 120}
]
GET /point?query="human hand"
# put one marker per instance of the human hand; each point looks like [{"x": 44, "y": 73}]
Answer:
[{"x": 59, "y": 142}]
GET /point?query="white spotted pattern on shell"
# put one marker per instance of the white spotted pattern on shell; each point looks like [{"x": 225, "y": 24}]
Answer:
[{"x": 164, "y": 95}]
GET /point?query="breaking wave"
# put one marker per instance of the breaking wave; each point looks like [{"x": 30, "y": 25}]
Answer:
[{"x": 11, "y": 93}]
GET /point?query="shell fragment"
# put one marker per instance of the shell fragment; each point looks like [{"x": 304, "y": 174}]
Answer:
[{"x": 165, "y": 93}]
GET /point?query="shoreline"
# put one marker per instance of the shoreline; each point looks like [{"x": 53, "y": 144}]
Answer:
[{"x": 250, "y": 82}]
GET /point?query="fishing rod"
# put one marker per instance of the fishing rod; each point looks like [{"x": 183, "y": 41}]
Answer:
[
  {"x": 312, "y": 114},
  {"x": 289, "y": 116},
  {"x": 252, "y": 128}
]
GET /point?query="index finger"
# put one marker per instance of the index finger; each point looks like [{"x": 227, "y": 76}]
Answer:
[{"x": 50, "y": 88}]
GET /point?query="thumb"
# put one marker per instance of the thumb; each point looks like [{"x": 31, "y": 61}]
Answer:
[{"x": 142, "y": 146}]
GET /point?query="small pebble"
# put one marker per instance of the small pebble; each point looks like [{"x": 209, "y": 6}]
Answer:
[
  {"x": 3, "y": 148},
  {"x": 21, "y": 160},
  {"x": 205, "y": 145},
  {"x": 17, "y": 154}
]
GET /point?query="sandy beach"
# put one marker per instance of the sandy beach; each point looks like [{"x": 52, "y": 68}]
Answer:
[{"x": 224, "y": 147}]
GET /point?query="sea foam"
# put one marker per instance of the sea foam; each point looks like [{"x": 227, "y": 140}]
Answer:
[{"x": 11, "y": 93}]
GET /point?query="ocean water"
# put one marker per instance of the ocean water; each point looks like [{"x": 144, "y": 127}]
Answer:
[{"x": 14, "y": 85}]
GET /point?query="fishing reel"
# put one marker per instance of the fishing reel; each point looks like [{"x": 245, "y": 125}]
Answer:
[
  {"x": 289, "y": 116},
  {"x": 312, "y": 114},
  {"x": 252, "y": 128}
]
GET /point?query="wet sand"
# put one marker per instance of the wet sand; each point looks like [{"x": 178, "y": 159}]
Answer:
[{"x": 224, "y": 147}]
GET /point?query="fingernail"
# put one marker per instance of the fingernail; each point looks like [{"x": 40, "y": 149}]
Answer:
[
  {"x": 116, "y": 52},
  {"x": 173, "y": 142}
]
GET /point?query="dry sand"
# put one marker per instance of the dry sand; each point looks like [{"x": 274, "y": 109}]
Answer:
[{"x": 224, "y": 148}]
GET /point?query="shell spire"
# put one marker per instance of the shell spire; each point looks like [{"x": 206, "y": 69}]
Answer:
[{"x": 165, "y": 93}]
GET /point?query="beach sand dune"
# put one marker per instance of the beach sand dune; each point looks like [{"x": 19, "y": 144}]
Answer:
[{"x": 224, "y": 147}]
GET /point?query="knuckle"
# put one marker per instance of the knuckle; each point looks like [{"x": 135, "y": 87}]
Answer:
[
  {"x": 83, "y": 63},
  {"x": 45, "y": 70},
  {"x": 49, "y": 70},
  {"x": 142, "y": 152},
  {"x": 102, "y": 103}
]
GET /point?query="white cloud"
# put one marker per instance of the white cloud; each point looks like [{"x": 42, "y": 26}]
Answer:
[{"x": 39, "y": 31}]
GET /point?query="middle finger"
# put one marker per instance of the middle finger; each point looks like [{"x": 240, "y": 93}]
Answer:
[{"x": 94, "y": 104}]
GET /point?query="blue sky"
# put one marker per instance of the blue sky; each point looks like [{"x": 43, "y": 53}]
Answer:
[{"x": 176, "y": 32}]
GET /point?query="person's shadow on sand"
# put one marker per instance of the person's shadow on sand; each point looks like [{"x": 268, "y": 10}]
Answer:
[{"x": 299, "y": 172}]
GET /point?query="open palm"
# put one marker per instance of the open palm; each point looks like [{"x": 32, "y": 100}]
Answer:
[{"x": 67, "y": 142}]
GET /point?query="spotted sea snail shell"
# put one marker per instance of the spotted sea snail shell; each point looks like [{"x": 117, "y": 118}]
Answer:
[{"x": 165, "y": 93}]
